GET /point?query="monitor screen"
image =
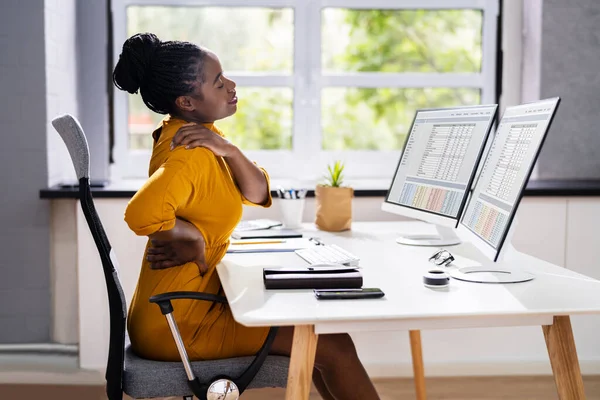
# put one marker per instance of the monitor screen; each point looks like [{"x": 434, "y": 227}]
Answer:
[
  {"x": 438, "y": 162},
  {"x": 506, "y": 170}
]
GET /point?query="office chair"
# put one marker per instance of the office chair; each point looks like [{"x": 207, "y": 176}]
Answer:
[{"x": 141, "y": 378}]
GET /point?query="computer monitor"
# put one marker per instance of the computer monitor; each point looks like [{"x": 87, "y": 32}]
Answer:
[
  {"x": 436, "y": 169},
  {"x": 488, "y": 217}
]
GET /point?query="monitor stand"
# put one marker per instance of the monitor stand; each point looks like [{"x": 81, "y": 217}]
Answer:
[
  {"x": 493, "y": 272},
  {"x": 504, "y": 270},
  {"x": 445, "y": 237}
]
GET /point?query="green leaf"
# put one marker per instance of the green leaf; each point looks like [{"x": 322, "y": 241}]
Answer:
[{"x": 335, "y": 177}]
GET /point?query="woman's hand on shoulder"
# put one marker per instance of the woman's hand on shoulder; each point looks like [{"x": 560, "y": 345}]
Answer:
[{"x": 193, "y": 135}]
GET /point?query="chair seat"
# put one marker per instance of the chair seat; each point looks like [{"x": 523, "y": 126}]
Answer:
[{"x": 144, "y": 378}]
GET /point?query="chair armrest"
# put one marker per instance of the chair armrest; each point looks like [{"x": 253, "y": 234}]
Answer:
[
  {"x": 164, "y": 299},
  {"x": 166, "y": 308}
]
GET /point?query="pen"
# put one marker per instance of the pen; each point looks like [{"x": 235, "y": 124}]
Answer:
[
  {"x": 259, "y": 242},
  {"x": 281, "y": 192}
]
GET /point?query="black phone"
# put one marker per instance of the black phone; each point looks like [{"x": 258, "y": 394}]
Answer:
[{"x": 342, "y": 294}]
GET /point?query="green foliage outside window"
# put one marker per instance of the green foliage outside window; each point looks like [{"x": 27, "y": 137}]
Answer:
[
  {"x": 260, "y": 40},
  {"x": 415, "y": 41}
]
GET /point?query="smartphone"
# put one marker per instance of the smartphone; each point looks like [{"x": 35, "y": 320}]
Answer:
[{"x": 342, "y": 294}]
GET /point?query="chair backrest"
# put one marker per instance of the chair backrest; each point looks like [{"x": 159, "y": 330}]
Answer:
[{"x": 72, "y": 134}]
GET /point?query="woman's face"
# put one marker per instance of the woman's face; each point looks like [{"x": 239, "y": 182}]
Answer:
[{"x": 215, "y": 98}]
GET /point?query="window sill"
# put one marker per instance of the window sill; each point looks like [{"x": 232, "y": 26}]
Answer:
[{"x": 366, "y": 188}]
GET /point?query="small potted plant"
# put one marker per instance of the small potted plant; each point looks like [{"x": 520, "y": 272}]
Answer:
[{"x": 334, "y": 201}]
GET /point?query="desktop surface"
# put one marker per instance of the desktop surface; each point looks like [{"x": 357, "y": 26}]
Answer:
[{"x": 408, "y": 304}]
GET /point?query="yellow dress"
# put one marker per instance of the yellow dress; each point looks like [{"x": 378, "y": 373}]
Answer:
[{"x": 199, "y": 187}]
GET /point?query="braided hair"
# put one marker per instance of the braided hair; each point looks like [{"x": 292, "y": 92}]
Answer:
[{"x": 161, "y": 71}]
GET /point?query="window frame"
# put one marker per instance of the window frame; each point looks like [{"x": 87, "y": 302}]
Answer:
[{"x": 307, "y": 80}]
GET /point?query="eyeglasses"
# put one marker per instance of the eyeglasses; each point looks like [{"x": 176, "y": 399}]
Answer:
[
  {"x": 441, "y": 258},
  {"x": 316, "y": 241}
]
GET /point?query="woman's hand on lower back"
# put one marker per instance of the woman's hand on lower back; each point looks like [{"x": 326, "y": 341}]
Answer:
[
  {"x": 180, "y": 245},
  {"x": 193, "y": 135},
  {"x": 166, "y": 254}
]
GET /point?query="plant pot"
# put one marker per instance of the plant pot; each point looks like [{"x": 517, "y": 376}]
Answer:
[{"x": 333, "y": 208}]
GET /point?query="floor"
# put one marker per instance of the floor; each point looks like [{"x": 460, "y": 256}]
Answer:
[{"x": 474, "y": 388}]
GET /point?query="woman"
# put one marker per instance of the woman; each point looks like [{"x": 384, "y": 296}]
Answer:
[{"x": 188, "y": 208}]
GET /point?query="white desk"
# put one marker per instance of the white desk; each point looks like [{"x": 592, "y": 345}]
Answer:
[{"x": 548, "y": 300}]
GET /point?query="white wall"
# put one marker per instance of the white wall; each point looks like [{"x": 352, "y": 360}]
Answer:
[
  {"x": 543, "y": 231},
  {"x": 61, "y": 81},
  {"x": 61, "y": 97},
  {"x": 63, "y": 273},
  {"x": 92, "y": 82},
  {"x": 512, "y": 49},
  {"x": 531, "y": 50}
]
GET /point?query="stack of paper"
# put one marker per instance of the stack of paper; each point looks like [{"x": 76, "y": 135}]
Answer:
[
  {"x": 273, "y": 233},
  {"x": 268, "y": 245}
]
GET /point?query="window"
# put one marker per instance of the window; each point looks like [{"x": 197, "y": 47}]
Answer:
[{"x": 319, "y": 80}]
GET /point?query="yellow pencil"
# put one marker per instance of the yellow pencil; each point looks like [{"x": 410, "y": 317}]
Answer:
[{"x": 260, "y": 242}]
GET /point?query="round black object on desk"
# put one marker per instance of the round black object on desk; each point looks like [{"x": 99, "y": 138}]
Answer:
[{"x": 436, "y": 278}]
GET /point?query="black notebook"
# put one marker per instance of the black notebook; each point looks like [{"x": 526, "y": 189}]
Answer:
[
  {"x": 312, "y": 278},
  {"x": 266, "y": 233}
]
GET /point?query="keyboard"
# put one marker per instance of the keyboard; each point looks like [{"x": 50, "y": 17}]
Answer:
[
  {"x": 328, "y": 254},
  {"x": 256, "y": 224}
]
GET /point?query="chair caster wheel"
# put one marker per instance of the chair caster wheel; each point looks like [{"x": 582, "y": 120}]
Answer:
[{"x": 223, "y": 389}]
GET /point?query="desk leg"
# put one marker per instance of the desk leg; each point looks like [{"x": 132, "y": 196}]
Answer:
[
  {"x": 418, "y": 366},
  {"x": 563, "y": 358},
  {"x": 302, "y": 361}
]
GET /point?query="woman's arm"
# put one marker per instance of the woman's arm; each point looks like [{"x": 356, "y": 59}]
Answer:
[
  {"x": 182, "y": 230},
  {"x": 182, "y": 244},
  {"x": 249, "y": 178},
  {"x": 152, "y": 212}
]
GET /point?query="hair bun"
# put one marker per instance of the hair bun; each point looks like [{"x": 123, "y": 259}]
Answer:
[{"x": 133, "y": 68}]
